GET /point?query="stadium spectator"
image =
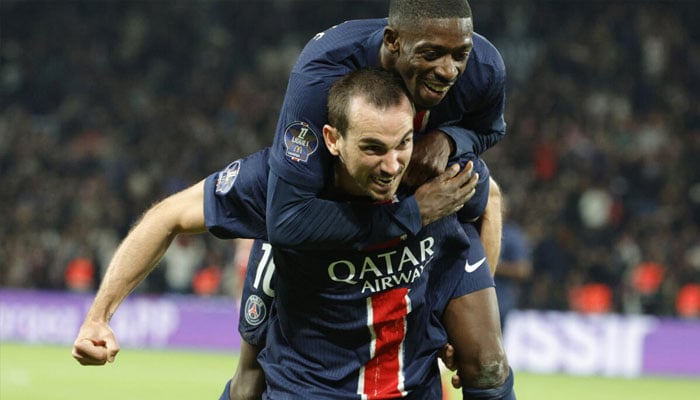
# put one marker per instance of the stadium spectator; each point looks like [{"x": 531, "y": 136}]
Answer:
[
  {"x": 514, "y": 265},
  {"x": 591, "y": 298},
  {"x": 80, "y": 275},
  {"x": 184, "y": 257},
  {"x": 207, "y": 281},
  {"x": 688, "y": 301}
]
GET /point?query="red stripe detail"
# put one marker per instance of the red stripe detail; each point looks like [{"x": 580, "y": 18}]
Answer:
[
  {"x": 418, "y": 121},
  {"x": 385, "y": 245},
  {"x": 384, "y": 370}
]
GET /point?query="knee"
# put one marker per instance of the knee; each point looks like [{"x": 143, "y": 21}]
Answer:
[{"x": 484, "y": 371}]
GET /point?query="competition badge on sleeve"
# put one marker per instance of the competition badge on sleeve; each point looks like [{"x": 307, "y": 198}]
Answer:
[
  {"x": 227, "y": 177},
  {"x": 300, "y": 141}
]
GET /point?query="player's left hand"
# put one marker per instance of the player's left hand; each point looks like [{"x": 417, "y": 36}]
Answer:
[{"x": 431, "y": 151}]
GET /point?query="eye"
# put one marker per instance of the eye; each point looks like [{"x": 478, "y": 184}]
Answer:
[
  {"x": 405, "y": 143},
  {"x": 373, "y": 149},
  {"x": 461, "y": 56},
  {"x": 431, "y": 55}
]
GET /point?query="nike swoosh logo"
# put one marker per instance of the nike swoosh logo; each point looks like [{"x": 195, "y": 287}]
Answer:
[{"x": 473, "y": 267}]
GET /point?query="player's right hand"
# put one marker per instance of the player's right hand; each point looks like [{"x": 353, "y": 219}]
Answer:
[
  {"x": 447, "y": 193},
  {"x": 95, "y": 344},
  {"x": 431, "y": 152}
]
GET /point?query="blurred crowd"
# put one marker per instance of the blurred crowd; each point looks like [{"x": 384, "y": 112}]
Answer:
[{"x": 109, "y": 106}]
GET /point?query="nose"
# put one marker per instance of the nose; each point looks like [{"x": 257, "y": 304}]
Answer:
[
  {"x": 448, "y": 68},
  {"x": 391, "y": 163}
]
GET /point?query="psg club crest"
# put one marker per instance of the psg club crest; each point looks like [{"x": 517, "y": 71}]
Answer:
[
  {"x": 227, "y": 177},
  {"x": 300, "y": 141},
  {"x": 255, "y": 310}
]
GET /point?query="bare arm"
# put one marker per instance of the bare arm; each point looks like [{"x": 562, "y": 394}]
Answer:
[
  {"x": 134, "y": 259},
  {"x": 491, "y": 226}
]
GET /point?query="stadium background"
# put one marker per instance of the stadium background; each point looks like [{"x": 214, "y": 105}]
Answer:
[{"x": 108, "y": 106}]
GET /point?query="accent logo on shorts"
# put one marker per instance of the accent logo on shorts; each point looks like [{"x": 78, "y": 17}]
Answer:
[
  {"x": 300, "y": 140},
  {"x": 227, "y": 177},
  {"x": 255, "y": 310}
]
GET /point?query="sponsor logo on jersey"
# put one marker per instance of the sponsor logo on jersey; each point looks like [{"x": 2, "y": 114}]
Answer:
[
  {"x": 255, "y": 310},
  {"x": 300, "y": 141},
  {"x": 383, "y": 271},
  {"x": 227, "y": 177},
  {"x": 473, "y": 267}
]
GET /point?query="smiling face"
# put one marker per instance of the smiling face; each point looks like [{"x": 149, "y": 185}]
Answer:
[
  {"x": 429, "y": 55},
  {"x": 375, "y": 150}
]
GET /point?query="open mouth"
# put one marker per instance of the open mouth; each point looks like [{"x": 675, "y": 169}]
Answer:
[
  {"x": 383, "y": 182},
  {"x": 438, "y": 89},
  {"x": 432, "y": 93}
]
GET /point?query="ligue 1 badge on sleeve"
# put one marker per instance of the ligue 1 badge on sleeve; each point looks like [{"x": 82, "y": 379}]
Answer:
[
  {"x": 227, "y": 177},
  {"x": 300, "y": 140}
]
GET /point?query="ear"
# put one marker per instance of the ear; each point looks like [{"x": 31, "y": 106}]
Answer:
[
  {"x": 331, "y": 136},
  {"x": 391, "y": 39}
]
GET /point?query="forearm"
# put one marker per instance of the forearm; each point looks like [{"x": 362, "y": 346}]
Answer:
[
  {"x": 297, "y": 218},
  {"x": 135, "y": 258},
  {"x": 491, "y": 229},
  {"x": 466, "y": 140},
  {"x": 143, "y": 247}
]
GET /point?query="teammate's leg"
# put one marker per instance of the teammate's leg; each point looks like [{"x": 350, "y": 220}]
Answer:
[{"x": 474, "y": 330}]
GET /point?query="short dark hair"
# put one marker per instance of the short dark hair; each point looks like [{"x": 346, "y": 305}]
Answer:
[
  {"x": 379, "y": 87},
  {"x": 403, "y": 12}
]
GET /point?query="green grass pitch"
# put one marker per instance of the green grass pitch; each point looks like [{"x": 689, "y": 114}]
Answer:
[{"x": 49, "y": 372}]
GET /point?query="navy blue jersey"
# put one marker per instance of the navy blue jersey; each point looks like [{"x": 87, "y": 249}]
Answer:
[
  {"x": 300, "y": 165},
  {"x": 234, "y": 198},
  {"x": 258, "y": 289},
  {"x": 353, "y": 324},
  {"x": 233, "y": 208}
]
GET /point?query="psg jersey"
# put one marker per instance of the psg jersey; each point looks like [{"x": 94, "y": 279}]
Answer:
[
  {"x": 376, "y": 313},
  {"x": 358, "y": 324}
]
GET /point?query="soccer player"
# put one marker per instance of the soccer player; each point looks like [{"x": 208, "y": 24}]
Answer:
[
  {"x": 358, "y": 324},
  {"x": 457, "y": 81},
  {"x": 515, "y": 266},
  {"x": 461, "y": 112}
]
